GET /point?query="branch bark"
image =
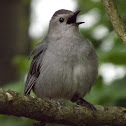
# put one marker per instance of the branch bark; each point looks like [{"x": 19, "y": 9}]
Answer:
[
  {"x": 116, "y": 19},
  {"x": 50, "y": 111}
]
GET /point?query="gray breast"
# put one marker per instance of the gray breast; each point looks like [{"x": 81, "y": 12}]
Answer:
[{"x": 66, "y": 71}]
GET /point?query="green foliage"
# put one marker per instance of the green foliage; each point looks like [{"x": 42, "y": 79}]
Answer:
[
  {"x": 22, "y": 63},
  {"x": 117, "y": 55},
  {"x": 26, "y": 2},
  {"x": 108, "y": 94},
  {"x": 15, "y": 121}
]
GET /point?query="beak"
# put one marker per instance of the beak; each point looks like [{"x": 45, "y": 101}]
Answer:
[{"x": 72, "y": 19}]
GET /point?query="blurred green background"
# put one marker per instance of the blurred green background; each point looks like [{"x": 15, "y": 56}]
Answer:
[{"x": 16, "y": 42}]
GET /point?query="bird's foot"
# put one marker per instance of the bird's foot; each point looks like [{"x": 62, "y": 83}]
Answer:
[
  {"x": 80, "y": 101},
  {"x": 83, "y": 102}
]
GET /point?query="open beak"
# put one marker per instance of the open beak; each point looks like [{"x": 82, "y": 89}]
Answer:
[{"x": 72, "y": 19}]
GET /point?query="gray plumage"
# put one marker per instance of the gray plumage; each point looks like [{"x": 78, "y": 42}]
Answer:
[{"x": 64, "y": 64}]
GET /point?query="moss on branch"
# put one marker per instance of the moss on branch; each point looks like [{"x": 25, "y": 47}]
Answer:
[{"x": 50, "y": 111}]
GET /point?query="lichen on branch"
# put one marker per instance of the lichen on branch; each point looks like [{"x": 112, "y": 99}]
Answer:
[{"x": 50, "y": 111}]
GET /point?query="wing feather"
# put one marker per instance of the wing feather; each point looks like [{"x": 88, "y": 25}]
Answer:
[{"x": 34, "y": 71}]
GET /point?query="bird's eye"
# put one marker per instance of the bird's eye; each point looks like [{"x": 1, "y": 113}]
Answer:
[{"x": 61, "y": 20}]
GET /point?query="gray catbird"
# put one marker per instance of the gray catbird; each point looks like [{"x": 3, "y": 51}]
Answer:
[{"x": 64, "y": 64}]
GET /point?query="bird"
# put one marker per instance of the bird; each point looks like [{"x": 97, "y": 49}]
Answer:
[{"x": 64, "y": 65}]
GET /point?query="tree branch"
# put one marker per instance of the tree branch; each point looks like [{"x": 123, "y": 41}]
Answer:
[
  {"x": 115, "y": 18},
  {"x": 50, "y": 111}
]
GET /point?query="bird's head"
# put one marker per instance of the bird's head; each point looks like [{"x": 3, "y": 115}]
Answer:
[{"x": 64, "y": 21}]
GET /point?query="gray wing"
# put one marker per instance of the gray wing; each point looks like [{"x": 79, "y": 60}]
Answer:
[{"x": 34, "y": 71}]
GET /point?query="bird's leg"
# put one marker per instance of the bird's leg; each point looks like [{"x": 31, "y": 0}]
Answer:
[
  {"x": 80, "y": 101},
  {"x": 83, "y": 102}
]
